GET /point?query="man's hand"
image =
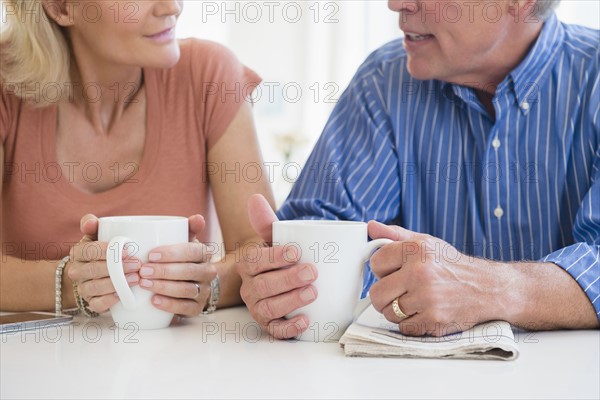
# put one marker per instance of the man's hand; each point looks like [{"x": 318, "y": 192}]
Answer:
[
  {"x": 441, "y": 290},
  {"x": 273, "y": 284}
]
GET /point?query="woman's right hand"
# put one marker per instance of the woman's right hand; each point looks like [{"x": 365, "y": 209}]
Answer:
[{"x": 87, "y": 268}]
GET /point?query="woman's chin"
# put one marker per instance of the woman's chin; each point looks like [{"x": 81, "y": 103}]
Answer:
[{"x": 165, "y": 58}]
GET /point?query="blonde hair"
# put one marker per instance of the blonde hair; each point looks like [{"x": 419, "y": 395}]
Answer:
[{"x": 34, "y": 53}]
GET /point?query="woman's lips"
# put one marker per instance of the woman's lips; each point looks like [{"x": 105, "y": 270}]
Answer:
[{"x": 164, "y": 36}]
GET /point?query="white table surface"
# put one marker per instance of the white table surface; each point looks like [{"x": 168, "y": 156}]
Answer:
[{"x": 225, "y": 355}]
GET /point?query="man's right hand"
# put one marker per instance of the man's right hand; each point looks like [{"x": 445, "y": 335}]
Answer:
[{"x": 273, "y": 283}]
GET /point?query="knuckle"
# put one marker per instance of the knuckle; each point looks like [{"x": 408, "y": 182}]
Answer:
[
  {"x": 196, "y": 251},
  {"x": 192, "y": 291},
  {"x": 93, "y": 288},
  {"x": 242, "y": 269},
  {"x": 290, "y": 278},
  {"x": 72, "y": 271},
  {"x": 376, "y": 260},
  {"x": 265, "y": 310},
  {"x": 83, "y": 290},
  {"x": 159, "y": 271},
  {"x": 98, "y": 304},
  {"x": 261, "y": 286},
  {"x": 245, "y": 293},
  {"x": 424, "y": 278},
  {"x": 253, "y": 268},
  {"x": 376, "y": 289},
  {"x": 91, "y": 251},
  {"x": 376, "y": 296},
  {"x": 258, "y": 317},
  {"x": 388, "y": 314},
  {"x": 92, "y": 269},
  {"x": 211, "y": 270},
  {"x": 280, "y": 330},
  {"x": 158, "y": 286},
  {"x": 190, "y": 269}
]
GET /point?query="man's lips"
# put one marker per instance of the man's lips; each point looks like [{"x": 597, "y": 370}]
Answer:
[{"x": 417, "y": 37}]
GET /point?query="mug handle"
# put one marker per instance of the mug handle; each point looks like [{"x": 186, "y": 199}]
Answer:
[
  {"x": 368, "y": 252},
  {"x": 372, "y": 246},
  {"x": 114, "y": 262}
]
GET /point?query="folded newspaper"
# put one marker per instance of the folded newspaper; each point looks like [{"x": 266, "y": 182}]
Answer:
[{"x": 371, "y": 335}]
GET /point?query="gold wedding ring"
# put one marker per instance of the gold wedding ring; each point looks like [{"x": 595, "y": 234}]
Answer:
[{"x": 397, "y": 309}]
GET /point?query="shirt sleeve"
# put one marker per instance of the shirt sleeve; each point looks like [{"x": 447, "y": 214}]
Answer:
[
  {"x": 352, "y": 173},
  {"x": 582, "y": 259},
  {"x": 224, "y": 85}
]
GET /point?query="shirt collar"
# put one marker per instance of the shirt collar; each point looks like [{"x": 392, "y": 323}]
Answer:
[
  {"x": 530, "y": 74},
  {"x": 525, "y": 80}
]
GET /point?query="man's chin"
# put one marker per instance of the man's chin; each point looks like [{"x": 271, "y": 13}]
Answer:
[{"x": 420, "y": 72}]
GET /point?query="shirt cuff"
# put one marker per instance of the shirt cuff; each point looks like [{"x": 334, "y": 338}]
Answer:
[{"x": 582, "y": 262}]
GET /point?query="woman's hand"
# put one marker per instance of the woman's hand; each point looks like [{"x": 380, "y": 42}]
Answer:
[
  {"x": 87, "y": 268},
  {"x": 180, "y": 275}
]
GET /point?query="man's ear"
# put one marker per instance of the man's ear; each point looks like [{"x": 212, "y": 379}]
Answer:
[
  {"x": 523, "y": 10},
  {"x": 60, "y": 11}
]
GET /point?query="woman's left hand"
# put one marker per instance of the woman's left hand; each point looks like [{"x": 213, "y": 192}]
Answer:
[{"x": 180, "y": 275}]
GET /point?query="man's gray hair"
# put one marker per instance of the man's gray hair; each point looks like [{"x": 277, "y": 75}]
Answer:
[{"x": 544, "y": 8}]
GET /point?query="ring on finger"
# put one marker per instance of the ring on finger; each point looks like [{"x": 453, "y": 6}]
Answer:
[
  {"x": 397, "y": 310},
  {"x": 197, "y": 290}
]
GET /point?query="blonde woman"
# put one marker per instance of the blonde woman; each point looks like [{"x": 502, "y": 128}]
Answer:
[{"x": 104, "y": 112}]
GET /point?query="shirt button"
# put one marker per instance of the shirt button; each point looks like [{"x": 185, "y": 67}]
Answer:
[
  {"x": 525, "y": 106},
  {"x": 496, "y": 143},
  {"x": 498, "y": 212}
]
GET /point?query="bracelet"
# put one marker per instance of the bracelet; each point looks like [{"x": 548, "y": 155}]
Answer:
[
  {"x": 58, "y": 284},
  {"x": 215, "y": 291},
  {"x": 82, "y": 303}
]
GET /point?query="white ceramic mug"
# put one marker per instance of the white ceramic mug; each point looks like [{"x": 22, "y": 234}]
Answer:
[
  {"x": 138, "y": 235},
  {"x": 339, "y": 250}
]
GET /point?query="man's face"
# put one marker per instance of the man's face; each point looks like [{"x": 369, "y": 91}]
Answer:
[{"x": 456, "y": 40}]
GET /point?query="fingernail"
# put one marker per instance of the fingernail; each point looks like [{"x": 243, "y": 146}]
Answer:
[
  {"x": 307, "y": 295},
  {"x": 301, "y": 324},
  {"x": 146, "y": 283},
  {"x": 306, "y": 274},
  {"x": 146, "y": 271},
  {"x": 133, "y": 278},
  {"x": 154, "y": 256},
  {"x": 156, "y": 300},
  {"x": 291, "y": 254}
]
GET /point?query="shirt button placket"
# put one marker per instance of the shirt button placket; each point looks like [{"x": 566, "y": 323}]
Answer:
[{"x": 496, "y": 143}]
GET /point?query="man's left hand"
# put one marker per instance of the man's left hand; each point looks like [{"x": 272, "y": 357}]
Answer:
[{"x": 440, "y": 290}]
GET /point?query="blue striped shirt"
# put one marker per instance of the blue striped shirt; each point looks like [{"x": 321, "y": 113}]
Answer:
[{"x": 427, "y": 155}]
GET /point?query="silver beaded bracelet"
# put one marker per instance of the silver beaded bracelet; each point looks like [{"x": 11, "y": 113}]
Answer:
[
  {"x": 58, "y": 285},
  {"x": 215, "y": 291}
]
